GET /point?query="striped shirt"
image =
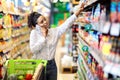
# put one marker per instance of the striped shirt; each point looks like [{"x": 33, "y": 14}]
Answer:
[{"x": 45, "y": 47}]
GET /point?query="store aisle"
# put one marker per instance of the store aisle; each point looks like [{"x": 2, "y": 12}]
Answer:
[{"x": 59, "y": 52}]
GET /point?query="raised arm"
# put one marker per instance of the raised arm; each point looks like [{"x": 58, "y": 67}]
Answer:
[{"x": 63, "y": 27}]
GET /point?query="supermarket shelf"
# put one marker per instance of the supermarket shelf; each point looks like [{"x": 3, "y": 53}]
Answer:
[
  {"x": 20, "y": 52},
  {"x": 13, "y": 13},
  {"x": 84, "y": 71},
  {"x": 86, "y": 66},
  {"x": 6, "y": 38},
  {"x": 20, "y": 42},
  {"x": 108, "y": 67},
  {"x": 20, "y": 34},
  {"x": 79, "y": 76},
  {"x": 16, "y": 55},
  {"x": 81, "y": 68},
  {"x": 24, "y": 24},
  {"x": 10, "y": 26},
  {"x": 81, "y": 73},
  {"x": 7, "y": 26},
  {"x": 90, "y": 4},
  {"x": 112, "y": 68},
  {"x": 8, "y": 49},
  {"x": 93, "y": 29},
  {"x": 16, "y": 35},
  {"x": 25, "y": 32},
  {"x": 94, "y": 52}
]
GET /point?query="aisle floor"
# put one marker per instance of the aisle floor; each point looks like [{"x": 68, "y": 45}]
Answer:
[{"x": 62, "y": 76}]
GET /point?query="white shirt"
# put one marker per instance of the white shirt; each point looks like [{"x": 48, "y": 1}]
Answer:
[{"x": 45, "y": 48}]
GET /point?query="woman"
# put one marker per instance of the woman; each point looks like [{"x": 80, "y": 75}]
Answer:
[{"x": 43, "y": 41}]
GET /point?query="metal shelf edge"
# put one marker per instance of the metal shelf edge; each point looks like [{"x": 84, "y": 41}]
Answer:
[{"x": 93, "y": 52}]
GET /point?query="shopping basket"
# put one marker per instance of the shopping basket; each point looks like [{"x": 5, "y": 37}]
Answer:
[{"x": 23, "y": 66}]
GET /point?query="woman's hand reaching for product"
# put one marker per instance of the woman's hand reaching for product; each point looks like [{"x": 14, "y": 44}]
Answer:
[{"x": 80, "y": 9}]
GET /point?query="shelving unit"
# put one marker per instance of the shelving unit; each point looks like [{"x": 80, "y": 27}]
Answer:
[
  {"x": 20, "y": 52},
  {"x": 90, "y": 3},
  {"x": 80, "y": 53},
  {"x": 13, "y": 13},
  {"x": 14, "y": 35},
  {"x": 108, "y": 66},
  {"x": 96, "y": 53},
  {"x": 14, "y": 38},
  {"x": 80, "y": 73},
  {"x": 92, "y": 39}
]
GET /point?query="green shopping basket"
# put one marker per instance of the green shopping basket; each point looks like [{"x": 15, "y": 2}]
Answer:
[{"x": 23, "y": 66}]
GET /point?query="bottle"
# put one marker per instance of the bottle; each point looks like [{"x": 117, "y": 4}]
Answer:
[
  {"x": 113, "y": 14},
  {"x": 1, "y": 71},
  {"x": 102, "y": 19},
  {"x": 118, "y": 15},
  {"x": 113, "y": 50}
]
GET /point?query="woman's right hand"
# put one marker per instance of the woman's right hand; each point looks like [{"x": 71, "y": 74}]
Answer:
[{"x": 80, "y": 9}]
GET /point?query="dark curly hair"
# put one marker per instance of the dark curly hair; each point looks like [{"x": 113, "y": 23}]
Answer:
[{"x": 32, "y": 19}]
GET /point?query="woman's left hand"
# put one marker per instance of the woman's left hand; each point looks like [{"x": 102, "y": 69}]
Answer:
[{"x": 44, "y": 31}]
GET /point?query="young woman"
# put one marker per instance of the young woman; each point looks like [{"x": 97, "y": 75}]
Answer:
[{"x": 43, "y": 41}]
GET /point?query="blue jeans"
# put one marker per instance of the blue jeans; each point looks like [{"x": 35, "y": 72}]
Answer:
[{"x": 51, "y": 70}]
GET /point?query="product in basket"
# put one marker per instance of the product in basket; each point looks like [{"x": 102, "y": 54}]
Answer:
[{"x": 37, "y": 72}]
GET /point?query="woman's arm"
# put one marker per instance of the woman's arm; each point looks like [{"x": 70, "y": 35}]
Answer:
[
  {"x": 68, "y": 23},
  {"x": 36, "y": 44},
  {"x": 80, "y": 9}
]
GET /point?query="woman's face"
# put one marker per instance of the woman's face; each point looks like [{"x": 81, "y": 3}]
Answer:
[{"x": 42, "y": 22}]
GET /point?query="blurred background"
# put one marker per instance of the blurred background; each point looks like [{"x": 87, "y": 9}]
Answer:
[{"x": 89, "y": 50}]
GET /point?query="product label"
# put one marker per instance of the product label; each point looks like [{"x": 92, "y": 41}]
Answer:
[{"x": 106, "y": 48}]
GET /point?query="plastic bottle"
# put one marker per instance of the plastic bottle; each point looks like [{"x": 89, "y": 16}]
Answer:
[{"x": 1, "y": 71}]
